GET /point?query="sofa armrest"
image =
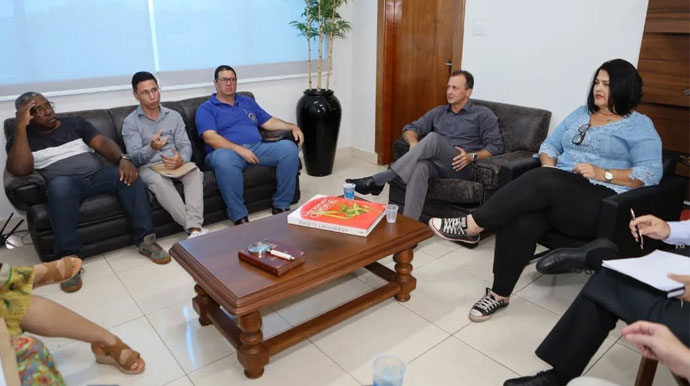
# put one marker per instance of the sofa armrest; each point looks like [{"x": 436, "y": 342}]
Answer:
[
  {"x": 515, "y": 169},
  {"x": 23, "y": 192},
  {"x": 400, "y": 147},
  {"x": 664, "y": 201},
  {"x": 275, "y": 135}
]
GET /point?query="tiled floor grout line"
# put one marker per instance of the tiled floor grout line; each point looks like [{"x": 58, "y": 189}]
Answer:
[
  {"x": 209, "y": 364},
  {"x": 161, "y": 337},
  {"x": 332, "y": 360},
  {"x": 165, "y": 344},
  {"x": 484, "y": 354},
  {"x": 175, "y": 380}
]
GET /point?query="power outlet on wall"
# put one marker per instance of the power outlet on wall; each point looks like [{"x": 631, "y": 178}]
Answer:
[{"x": 479, "y": 27}]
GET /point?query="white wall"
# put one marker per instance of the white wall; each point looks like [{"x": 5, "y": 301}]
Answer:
[
  {"x": 543, "y": 53},
  {"x": 363, "y": 73}
]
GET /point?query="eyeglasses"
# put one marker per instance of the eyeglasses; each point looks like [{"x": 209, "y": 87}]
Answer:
[
  {"x": 42, "y": 109},
  {"x": 149, "y": 93},
  {"x": 580, "y": 136},
  {"x": 227, "y": 80}
]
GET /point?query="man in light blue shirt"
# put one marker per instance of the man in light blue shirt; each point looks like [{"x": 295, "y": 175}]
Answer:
[{"x": 154, "y": 134}]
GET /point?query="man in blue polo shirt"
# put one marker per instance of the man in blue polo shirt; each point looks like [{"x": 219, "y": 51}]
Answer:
[{"x": 229, "y": 124}]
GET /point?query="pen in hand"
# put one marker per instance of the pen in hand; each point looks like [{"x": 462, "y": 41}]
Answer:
[{"x": 639, "y": 233}]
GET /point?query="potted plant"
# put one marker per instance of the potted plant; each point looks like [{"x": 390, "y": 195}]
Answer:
[{"x": 318, "y": 110}]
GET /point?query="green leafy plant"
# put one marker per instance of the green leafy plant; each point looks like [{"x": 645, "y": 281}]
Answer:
[{"x": 321, "y": 20}]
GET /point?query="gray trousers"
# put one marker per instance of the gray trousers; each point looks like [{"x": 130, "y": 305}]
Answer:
[
  {"x": 431, "y": 158},
  {"x": 189, "y": 214}
]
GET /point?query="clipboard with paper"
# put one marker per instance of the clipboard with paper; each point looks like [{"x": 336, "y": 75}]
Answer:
[
  {"x": 653, "y": 270},
  {"x": 173, "y": 173}
]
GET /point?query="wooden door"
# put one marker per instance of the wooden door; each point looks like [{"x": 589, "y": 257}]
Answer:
[
  {"x": 419, "y": 43},
  {"x": 665, "y": 69}
]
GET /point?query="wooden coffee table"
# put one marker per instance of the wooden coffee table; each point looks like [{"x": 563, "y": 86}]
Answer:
[{"x": 242, "y": 289}]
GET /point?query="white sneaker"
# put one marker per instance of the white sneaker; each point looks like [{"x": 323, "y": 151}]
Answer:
[{"x": 198, "y": 233}]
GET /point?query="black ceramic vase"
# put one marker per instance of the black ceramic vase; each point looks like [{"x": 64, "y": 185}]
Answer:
[{"x": 318, "y": 115}]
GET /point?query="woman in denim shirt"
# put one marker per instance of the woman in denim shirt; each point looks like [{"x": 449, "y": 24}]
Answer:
[{"x": 599, "y": 150}]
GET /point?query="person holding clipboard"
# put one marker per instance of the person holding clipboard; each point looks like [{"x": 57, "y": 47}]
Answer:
[
  {"x": 658, "y": 325},
  {"x": 158, "y": 145}
]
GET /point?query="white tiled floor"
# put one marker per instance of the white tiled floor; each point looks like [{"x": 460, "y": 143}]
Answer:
[{"x": 149, "y": 307}]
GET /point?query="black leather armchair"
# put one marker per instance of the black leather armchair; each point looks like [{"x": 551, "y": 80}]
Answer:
[
  {"x": 664, "y": 201},
  {"x": 523, "y": 129},
  {"x": 103, "y": 225}
]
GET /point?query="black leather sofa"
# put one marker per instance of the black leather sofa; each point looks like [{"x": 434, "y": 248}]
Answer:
[{"x": 103, "y": 226}]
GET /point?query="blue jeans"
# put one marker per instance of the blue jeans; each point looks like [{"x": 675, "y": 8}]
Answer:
[
  {"x": 65, "y": 194},
  {"x": 228, "y": 166}
]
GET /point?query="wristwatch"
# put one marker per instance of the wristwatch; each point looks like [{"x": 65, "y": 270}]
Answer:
[
  {"x": 474, "y": 157},
  {"x": 608, "y": 176},
  {"x": 125, "y": 156}
]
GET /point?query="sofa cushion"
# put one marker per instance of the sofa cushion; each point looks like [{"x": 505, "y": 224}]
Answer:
[{"x": 92, "y": 209}]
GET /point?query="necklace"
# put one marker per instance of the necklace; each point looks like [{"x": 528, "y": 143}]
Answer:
[{"x": 609, "y": 116}]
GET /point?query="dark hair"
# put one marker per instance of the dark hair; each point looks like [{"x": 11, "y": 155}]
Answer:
[
  {"x": 625, "y": 87},
  {"x": 25, "y": 98},
  {"x": 223, "y": 67},
  {"x": 469, "y": 79},
  {"x": 142, "y": 76}
]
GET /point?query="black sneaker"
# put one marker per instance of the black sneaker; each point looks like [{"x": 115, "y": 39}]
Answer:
[
  {"x": 453, "y": 229},
  {"x": 485, "y": 307}
]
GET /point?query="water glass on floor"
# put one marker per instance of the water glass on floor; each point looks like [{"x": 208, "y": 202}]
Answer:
[{"x": 388, "y": 370}]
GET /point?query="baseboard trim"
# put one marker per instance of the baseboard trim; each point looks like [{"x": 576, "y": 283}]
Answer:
[{"x": 356, "y": 153}]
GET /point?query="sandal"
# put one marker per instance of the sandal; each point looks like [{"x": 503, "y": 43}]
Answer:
[
  {"x": 110, "y": 354},
  {"x": 56, "y": 271}
]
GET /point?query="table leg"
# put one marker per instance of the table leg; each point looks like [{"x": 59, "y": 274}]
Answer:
[
  {"x": 202, "y": 303},
  {"x": 403, "y": 276},
  {"x": 252, "y": 354}
]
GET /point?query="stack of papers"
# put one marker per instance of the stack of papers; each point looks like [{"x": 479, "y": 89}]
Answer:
[{"x": 653, "y": 270}]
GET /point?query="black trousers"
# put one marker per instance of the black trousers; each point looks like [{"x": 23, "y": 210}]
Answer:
[
  {"x": 606, "y": 298},
  {"x": 530, "y": 206}
]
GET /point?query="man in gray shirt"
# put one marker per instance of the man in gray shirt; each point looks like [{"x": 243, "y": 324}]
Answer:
[
  {"x": 453, "y": 138},
  {"x": 154, "y": 134}
]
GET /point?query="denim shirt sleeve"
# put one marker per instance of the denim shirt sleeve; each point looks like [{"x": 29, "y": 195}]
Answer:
[
  {"x": 645, "y": 152},
  {"x": 552, "y": 145}
]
